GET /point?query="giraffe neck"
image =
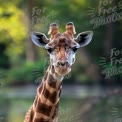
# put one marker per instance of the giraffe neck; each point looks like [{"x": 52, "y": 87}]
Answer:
[
  {"x": 46, "y": 103},
  {"x": 57, "y": 78}
]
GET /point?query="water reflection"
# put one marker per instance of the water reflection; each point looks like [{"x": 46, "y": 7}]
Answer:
[
  {"x": 14, "y": 103},
  {"x": 4, "y": 109}
]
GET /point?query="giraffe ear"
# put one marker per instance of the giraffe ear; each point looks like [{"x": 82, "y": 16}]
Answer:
[
  {"x": 84, "y": 38},
  {"x": 39, "y": 39}
]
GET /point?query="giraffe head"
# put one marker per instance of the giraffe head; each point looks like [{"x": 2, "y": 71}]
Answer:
[{"x": 62, "y": 47}]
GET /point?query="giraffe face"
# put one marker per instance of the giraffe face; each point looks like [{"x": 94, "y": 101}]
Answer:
[
  {"x": 62, "y": 52},
  {"x": 62, "y": 47}
]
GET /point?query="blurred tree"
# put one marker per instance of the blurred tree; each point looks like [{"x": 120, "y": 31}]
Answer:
[
  {"x": 30, "y": 51},
  {"x": 12, "y": 31},
  {"x": 4, "y": 60},
  {"x": 16, "y": 26},
  {"x": 71, "y": 12}
]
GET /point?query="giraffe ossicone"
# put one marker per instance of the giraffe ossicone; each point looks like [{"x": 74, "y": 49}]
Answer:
[{"x": 61, "y": 48}]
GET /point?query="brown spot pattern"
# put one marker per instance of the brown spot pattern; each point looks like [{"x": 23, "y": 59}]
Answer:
[
  {"x": 40, "y": 120},
  {"x": 52, "y": 82},
  {"x": 43, "y": 108},
  {"x": 50, "y": 96}
]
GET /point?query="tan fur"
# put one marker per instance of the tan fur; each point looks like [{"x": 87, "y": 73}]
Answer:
[
  {"x": 70, "y": 29},
  {"x": 53, "y": 31}
]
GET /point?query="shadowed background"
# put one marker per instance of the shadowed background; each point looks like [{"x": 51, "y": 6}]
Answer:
[{"x": 92, "y": 91}]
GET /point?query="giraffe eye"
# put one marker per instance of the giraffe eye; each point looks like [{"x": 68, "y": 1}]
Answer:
[
  {"x": 49, "y": 50},
  {"x": 74, "y": 49}
]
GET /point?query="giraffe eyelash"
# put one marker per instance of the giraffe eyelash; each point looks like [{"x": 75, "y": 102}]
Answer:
[
  {"x": 74, "y": 49},
  {"x": 49, "y": 50}
]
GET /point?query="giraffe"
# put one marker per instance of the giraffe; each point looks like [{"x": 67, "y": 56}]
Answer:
[{"x": 61, "y": 48}]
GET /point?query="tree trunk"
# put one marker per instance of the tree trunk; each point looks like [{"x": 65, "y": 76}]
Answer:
[
  {"x": 108, "y": 39},
  {"x": 91, "y": 69},
  {"x": 31, "y": 51},
  {"x": 108, "y": 43}
]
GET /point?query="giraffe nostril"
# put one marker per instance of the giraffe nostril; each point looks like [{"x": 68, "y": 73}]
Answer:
[
  {"x": 63, "y": 64},
  {"x": 58, "y": 63}
]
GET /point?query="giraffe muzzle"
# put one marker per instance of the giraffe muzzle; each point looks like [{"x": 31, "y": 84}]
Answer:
[
  {"x": 62, "y": 64},
  {"x": 62, "y": 68}
]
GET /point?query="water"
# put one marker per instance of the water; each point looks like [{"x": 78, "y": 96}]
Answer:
[{"x": 75, "y": 104}]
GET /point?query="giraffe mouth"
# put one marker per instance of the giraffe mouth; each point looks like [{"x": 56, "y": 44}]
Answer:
[{"x": 62, "y": 70}]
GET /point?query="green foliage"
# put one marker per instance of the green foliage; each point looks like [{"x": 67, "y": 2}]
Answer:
[
  {"x": 12, "y": 30},
  {"x": 24, "y": 73}
]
